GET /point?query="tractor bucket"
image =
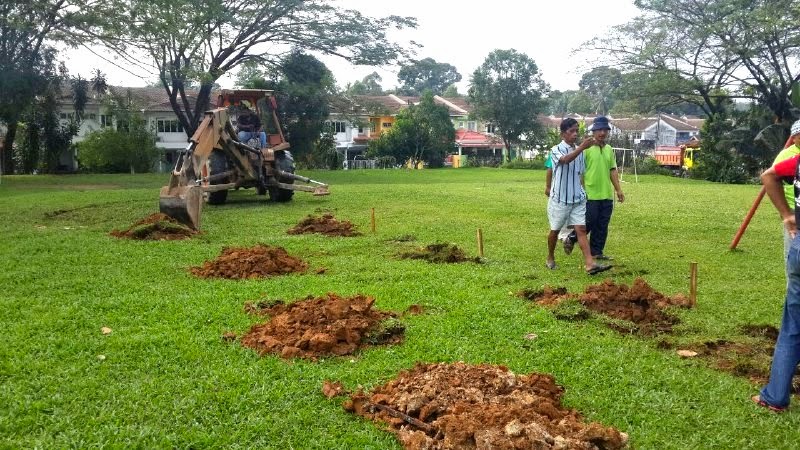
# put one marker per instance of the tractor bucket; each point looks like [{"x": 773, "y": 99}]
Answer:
[{"x": 182, "y": 203}]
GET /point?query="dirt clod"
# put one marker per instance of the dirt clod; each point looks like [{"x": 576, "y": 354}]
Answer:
[
  {"x": 439, "y": 253},
  {"x": 326, "y": 224},
  {"x": 327, "y": 325},
  {"x": 155, "y": 227},
  {"x": 450, "y": 406},
  {"x": 331, "y": 389},
  {"x": 546, "y": 296},
  {"x": 260, "y": 261}
]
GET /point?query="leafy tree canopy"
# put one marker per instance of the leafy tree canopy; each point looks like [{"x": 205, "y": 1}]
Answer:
[
  {"x": 191, "y": 41},
  {"x": 370, "y": 85},
  {"x": 508, "y": 91},
  {"x": 422, "y": 132},
  {"x": 427, "y": 74},
  {"x": 600, "y": 84}
]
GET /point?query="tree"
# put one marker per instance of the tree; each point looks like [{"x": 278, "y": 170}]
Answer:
[
  {"x": 190, "y": 41},
  {"x": 422, "y": 132},
  {"x": 699, "y": 51},
  {"x": 130, "y": 147},
  {"x": 370, "y": 85},
  {"x": 304, "y": 96},
  {"x": 451, "y": 91},
  {"x": 28, "y": 28},
  {"x": 600, "y": 84},
  {"x": 508, "y": 91},
  {"x": 427, "y": 74},
  {"x": 581, "y": 103}
]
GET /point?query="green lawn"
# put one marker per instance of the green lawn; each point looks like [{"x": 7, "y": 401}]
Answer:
[{"x": 169, "y": 380}]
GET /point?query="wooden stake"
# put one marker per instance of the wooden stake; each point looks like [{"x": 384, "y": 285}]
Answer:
[
  {"x": 372, "y": 220},
  {"x": 480, "y": 243},
  {"x": 693, "y": 283}
]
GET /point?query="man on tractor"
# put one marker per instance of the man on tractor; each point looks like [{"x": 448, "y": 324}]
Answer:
[{"x": 250, "y": 125}]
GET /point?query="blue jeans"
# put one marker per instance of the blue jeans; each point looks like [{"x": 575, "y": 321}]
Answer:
[
  {"x": 787, "y": 349},
  {"x": 598, "y": 216},
  {"x": 245, "y": 136}
]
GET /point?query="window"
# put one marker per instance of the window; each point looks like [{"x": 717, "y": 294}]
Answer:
[
  {"x": 338, "y": 127},
  {"x": 168, "y": 126},
  {"x": 63, "y": 115},
  {"x": 93, "y": 116},
  {"x": 637, "y": 135},
  {"x": 386, "y": 125},
  {"x": 490, "y": 128},
  {"x": 360, "y": 130},
  {"x": 461, "y": 124},
  {"x": 106, "y": 120},
  {"x": 472, "y": 125}
]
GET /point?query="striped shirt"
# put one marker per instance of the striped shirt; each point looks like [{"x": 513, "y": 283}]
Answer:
[{"x": 567, "y": 186}]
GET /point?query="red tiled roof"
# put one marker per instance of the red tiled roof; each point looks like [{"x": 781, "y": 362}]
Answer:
[{"x": 467, "y": 138}]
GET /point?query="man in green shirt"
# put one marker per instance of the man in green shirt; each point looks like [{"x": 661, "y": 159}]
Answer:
[
  {"x": 601, "y": 182},
  {"x": 788, "y": 188}
]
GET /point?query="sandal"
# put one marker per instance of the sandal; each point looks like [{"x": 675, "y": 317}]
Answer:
[
  {"x": 597, "y": 268},
  {"x": 757, "y": 400}
]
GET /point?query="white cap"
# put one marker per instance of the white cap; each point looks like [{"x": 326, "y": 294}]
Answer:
[{"x": 796, "y": 128}]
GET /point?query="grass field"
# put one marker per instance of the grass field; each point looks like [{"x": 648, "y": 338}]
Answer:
[{"x": 169, "y": 380}]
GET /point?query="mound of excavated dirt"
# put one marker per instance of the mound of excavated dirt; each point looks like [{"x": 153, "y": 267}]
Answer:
[
  {"x": 639, "y": 304},
  {"x": 439, "y": 253},
  {"x": 156, "y": 227},
  {"x": 329, "y": 325},
  {"x": 455, "y": 406},
  {"x": 260, "y": 261},
  {"x": 326, "y": 225}
]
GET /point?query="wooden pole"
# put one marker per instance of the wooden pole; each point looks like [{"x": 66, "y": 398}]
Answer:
[
  {"x": 747, "y": 218},
  {"x": 693, "y": 283},
  {"x": 372, "y": 220},
  {"x": 753, "y": 208},
  {"x": 480, "y": 243}
]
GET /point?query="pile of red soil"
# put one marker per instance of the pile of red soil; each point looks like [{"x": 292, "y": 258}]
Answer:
[
  {"x": 328, "y": 325},
  {"x": 439, "y": 253},
  {"x": 260, "y": 261},
  {"x": 326, "y": 225},
  {"x": 156, "y": 227},
  {"x": 454, "y": 406},
  {"x": 639, "y": 304}
]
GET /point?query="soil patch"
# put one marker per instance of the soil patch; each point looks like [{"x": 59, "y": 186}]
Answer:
[
  {"x": 750, "y": 359},
  {"x": 449, "y": 406},
  {"x": 156, "y": 227},
  {"x": 261, "y": 261},
  {"x": 635, "y": 309},
  {"x": 439, "y": 253},
  {"x": 322, "y": 326},
  {"x": 547, "y": 296},
  {"x": 326, "y": 225}
]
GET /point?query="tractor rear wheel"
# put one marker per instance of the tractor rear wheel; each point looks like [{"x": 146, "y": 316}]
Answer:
[
  {"x": 285, "y": 163},
  {"x": 218, "y": 163}
]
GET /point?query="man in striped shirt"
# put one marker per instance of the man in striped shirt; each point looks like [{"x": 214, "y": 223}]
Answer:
[{"x": 567, "y": 203}]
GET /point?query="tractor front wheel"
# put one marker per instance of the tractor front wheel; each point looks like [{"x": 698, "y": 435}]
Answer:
[
  {"x": 285, "y": 163},
  {"x": 218, "y": 163}
]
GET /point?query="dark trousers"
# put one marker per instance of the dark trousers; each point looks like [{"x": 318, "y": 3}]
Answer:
[{"x": 598, "y": 216}]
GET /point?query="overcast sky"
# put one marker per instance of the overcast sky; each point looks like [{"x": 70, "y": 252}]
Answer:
[{"x": 461, "y": 33}]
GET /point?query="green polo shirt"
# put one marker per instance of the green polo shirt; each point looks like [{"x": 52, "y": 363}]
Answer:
[
  {"x": 788, "y": 189},
  {"x": 597, "y": 178}
]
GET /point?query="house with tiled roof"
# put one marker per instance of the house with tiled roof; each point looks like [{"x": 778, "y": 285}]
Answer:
[
  {"x": 663, "y": 129},
  {"x": 154, "y": 105},
  {"x": 359, "y": 119}
]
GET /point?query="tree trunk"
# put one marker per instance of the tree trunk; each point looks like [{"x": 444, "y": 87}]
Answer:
[{"x": 8, "y": 148}]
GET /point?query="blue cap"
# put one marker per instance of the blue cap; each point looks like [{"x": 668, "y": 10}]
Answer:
[{"x": 600, "y": 123}]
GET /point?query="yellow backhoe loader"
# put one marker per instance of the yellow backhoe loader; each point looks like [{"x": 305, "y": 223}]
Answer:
[{"x": 215, "y": 161}]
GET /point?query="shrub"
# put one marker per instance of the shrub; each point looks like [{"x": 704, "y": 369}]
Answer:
[
  {"x": 537, "y": 163},
  {"x": 116, "y": 151}
]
